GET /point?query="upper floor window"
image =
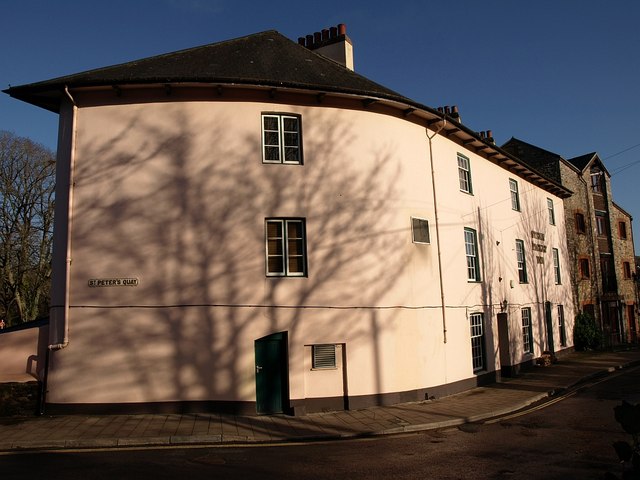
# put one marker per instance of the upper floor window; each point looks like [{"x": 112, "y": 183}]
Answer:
[
  {"x": 521, "y": 261},
  {"x": 622, "y": 230},
  {"x": 515, "y": 195},
  {"x": 420, "y": 230},
  {"x": 626, "y": 267},
  {"x": 286, "y": 254},
  {"x": 585, "y": 271},
  {"x": 601, "y": 224},
  {"x": 281, "y": 139},
  {"x": 596, "y": 182},
  {"x": 581, "y": 226},
  {"x": 464, "y": 174},
  {"x": 552, "y": 213},
  {"x": 471, "y": 250},
  {"x": 556, "y": 265}
]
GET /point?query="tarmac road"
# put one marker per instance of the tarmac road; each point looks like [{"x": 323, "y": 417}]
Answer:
[{"x": 565, "y": 439}]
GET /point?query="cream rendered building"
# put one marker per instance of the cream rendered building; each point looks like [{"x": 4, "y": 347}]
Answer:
[{"x": 251, "y": 226}]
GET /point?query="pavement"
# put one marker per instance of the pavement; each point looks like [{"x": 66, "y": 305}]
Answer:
[{"x": 534, "y": 386}]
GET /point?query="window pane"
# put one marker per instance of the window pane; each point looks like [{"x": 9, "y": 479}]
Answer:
[
  {"x": 274, "y": 229},
  {"x": 420, "y": 230},
  {"x": 521, "y": 261},
  {"x": 290, "y": 124},
  {"x": 526, "y": 330},
  {"x": 275, "y": 247},
  {"x": 470, "y": 245},
  {"x": 291, "y": 139},
  {"x": 295, "y": 246},
  {"x": 291, "y": 154},
  {"x": 464, "y": 182},
  {"x": 271, "y": 138},
  {"x": 270, "y": 122},
  {"x": 296, "y": 264},
  {"x": 464, "y": 174},
  {"x": 473, "y": 270},
  {"x": 477, "y": 341},
  {"x": 275, "y": 264},
  {"x": 515, "y": 200},
  {"x": 294, "y": 229},
  {"x": 272, "y": 153}
]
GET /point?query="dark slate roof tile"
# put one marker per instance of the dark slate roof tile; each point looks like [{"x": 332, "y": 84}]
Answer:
[
  {"x": 582, "y": 161},
  {"x": 267, "y": 59}
]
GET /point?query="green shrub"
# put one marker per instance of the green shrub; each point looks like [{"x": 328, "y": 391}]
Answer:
[{"x": 586, "y": 334}]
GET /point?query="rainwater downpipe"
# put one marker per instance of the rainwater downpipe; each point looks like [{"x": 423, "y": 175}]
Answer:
[
  {"x": 72, "y": 154},
  {"x": 435, "y": 208}
]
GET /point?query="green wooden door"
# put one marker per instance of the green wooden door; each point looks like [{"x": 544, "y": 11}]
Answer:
[
  {"x": 271, "y": 373},
  {"x": 549, "y": 323}
]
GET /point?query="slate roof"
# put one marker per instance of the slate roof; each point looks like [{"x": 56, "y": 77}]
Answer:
[
  {"x": 582, "y": 161},
  {"x": 538, "y": 158},
  {"x": 266, "y": 59},
  {"x": 270, "y": 60}
]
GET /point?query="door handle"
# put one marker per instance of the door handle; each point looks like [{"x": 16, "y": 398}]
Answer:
[{"x": 258, "y": 368}]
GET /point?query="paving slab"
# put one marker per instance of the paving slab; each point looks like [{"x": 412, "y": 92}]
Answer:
[{"x": 478, "y": 404}]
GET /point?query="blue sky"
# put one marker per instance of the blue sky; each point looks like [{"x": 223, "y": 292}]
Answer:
[{"x": 561, "y": 74}]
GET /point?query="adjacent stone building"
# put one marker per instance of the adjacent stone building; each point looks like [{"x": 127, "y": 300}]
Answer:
[{"x": 599, "y": 239}]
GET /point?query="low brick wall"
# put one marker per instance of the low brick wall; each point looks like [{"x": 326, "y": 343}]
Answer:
[{"x": 22, "y": 351}]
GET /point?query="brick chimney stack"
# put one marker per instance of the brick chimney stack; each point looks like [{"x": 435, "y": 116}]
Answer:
[{"x": 332, "y": 43}]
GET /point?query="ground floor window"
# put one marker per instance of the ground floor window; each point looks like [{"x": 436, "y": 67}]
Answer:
[
  {"x": 527, "y": 330},
  {"x": 477, "y": 341}
]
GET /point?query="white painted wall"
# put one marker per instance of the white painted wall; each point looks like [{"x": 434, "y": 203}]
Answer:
[{"x": 175, "y": 195}]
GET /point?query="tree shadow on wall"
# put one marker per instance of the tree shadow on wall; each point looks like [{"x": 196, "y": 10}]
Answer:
[{"x": 184, "y": 213}]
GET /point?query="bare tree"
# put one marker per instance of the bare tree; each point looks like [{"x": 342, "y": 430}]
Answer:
[{"x": 27, "y": 181}]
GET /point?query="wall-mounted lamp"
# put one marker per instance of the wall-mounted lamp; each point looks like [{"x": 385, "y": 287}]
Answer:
[{"x": 504, "y": 305}]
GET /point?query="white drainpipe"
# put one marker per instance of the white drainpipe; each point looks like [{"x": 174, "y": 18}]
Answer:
[
  {"x": 72, "y": 151},
  {"x": 435, "y": 208}
]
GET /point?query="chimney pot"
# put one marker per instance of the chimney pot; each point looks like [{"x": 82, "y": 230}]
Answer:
[
  {"x": 454, "y": 109},
  {"x": 317, "y": 37},
  {"x": 482, "y": 134},
  {"x": 489, "y": 134},
  {"x": 447, "y": 110},
  {"x": 301, "y": 41},
  {"x": 333, "y": 32},
  {"x": 309, "y": 41},
  {"x": 342, "y": 29},
  {"x": 325, "y": 34}
]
